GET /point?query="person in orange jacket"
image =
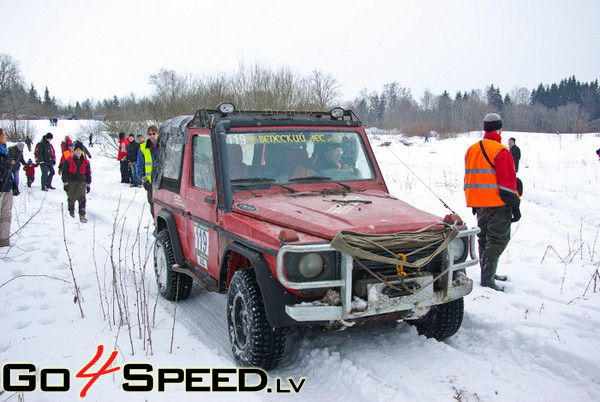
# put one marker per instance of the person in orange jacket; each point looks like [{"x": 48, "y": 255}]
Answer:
[
  {"x": 491, "y": 190},
  {"x": 66, "y": 153}
]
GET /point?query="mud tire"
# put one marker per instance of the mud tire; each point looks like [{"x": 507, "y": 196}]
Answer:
[
  {"x": 442, "y": 321},
  {"x": 171, "y": 285},
  {"x": 254, "y": 342}
]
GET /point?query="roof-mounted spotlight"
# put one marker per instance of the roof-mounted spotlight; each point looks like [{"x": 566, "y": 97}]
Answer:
[
  {"x": 336, "y": 113},
  {"x": 226, "y": 108}
]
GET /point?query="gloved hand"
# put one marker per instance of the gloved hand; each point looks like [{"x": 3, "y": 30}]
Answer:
[
  {"x": 87, "y": 189},
  {"x": 513, "y": 201},
  {"x": 66, "y": 186},
  {"x": 516, "y": 213}
]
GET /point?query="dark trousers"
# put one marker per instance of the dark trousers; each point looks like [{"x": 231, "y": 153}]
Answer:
[
  {"x": 148, "y": 188},
  {"x": 125, "y": 171},
  {"x": 494, "y": 223},
  {"x": 76, "y": 192},
  {"x": 30, "y": 180},
  {"x": 47, "y": 175}
]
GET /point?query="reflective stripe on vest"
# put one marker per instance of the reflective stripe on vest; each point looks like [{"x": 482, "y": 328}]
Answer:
[
  {"x": 147, "y": 161},
  {"x": 481, "y": 185}
]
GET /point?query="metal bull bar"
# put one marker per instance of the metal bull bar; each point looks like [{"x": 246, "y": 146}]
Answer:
[{"x": 315, "y": 312}]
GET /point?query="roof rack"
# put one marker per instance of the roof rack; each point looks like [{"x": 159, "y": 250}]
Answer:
[{"x": 335, "y": 117}]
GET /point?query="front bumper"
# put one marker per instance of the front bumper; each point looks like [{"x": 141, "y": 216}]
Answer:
[{"x": 378, "y": 302}]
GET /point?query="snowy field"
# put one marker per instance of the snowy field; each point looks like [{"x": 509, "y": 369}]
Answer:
[{"x": 538, "y": 341}]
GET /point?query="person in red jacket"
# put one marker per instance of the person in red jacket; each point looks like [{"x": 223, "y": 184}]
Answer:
[
  {"x": 77, "y": 177},
  {"x": 122, "y": 158},
  {"x": 65, "y": 143},
  {"x": 30, "y": 171},
  {"x": 491, "y": 190}
]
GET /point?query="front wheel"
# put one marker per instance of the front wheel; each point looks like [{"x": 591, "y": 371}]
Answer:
[
  {"x": 171, "y": 285},
  {"x": 442, "y": 321},
  {"x": 254, "y": 342}
]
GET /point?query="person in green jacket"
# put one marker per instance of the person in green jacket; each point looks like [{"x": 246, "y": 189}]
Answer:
[{"x": 15, "y": 154}]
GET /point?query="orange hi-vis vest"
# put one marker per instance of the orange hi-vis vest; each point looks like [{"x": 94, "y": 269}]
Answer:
[{"x": 481, "y": 185}]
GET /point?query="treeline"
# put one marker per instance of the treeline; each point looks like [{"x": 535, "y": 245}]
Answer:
[{"x": 569, "y": 106}]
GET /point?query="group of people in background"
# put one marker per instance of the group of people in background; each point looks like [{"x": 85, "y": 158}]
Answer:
[
  {"x": 136, "y": 157},
  {"x": 73, "y": 167},
  {"x": 127, "y": 157}
]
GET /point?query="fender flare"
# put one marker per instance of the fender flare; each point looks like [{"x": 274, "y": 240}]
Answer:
[
  {"x": 166, "y": 220},
  {"x": 275, "y": 296}
]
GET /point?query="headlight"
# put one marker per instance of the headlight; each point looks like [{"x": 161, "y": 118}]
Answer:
[
  {"x": 458, "y": 249},
  {"x": 311, "y": 265}
]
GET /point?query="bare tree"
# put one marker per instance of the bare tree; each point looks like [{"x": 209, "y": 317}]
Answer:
[
  {"x": 323, "y": 89},
  {"x": 13, "y": 97},
  {"x": 10, "y": 72},
  {"x": 520, "y": 96},
  {"x": 171, "y": 89}
]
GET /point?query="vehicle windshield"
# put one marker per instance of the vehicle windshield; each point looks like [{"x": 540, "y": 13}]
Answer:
[{"x": 293, "y": 157}]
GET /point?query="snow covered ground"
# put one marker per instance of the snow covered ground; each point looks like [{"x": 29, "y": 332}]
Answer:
[{"x": 538, "y": 341}]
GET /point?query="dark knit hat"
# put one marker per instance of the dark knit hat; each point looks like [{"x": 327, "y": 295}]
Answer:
[
  {"x": 492, "y": 122},
  {"x": 79, "y": 145},
  {"x": 70, "y": 144},
  {"x": 49, "y": 136}
]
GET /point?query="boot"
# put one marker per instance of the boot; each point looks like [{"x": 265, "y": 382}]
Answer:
[
  {"x": 488, "y": 274},
  {"x": 72, "y": 214},
  {"x": 4, "y": 242},
  {"x": 493, "y": 285},
  {"x": 82, "y": 219},
  {"x": 502, "y": 278}
]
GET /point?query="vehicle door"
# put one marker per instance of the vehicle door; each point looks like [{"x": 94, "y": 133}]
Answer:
[{"x": 199, "y": 197}]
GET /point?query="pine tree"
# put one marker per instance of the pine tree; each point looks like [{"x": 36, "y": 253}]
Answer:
[
  {"x": 33, "y": 96},
  {"x": 494, "y": 97},
  {"x": 47, "y": 100}
]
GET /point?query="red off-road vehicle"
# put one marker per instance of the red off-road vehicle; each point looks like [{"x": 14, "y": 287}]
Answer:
[{"x": 288, "y": 213}]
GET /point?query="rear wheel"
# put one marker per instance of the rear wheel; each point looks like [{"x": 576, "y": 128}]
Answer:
[
  {"x": 254, "y": 342},
  {"x": 442, "y": 321},
  {"x": 171, "y": 285}
]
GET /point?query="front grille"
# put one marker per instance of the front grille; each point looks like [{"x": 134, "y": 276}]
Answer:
[
  {"x": 388, "y": 269},
  {"x": 369, "y": 271}
]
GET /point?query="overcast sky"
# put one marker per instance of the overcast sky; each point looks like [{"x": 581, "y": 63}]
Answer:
[{"x": 97, "y": 49}]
